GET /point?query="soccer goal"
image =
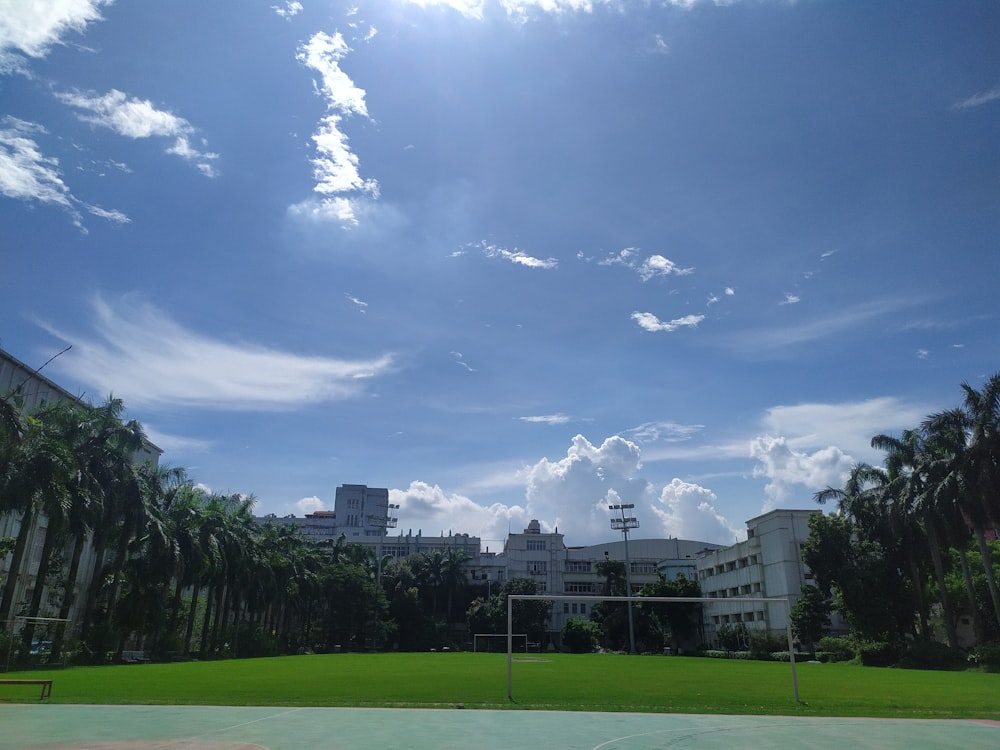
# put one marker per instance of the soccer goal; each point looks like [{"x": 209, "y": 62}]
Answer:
[
  {"x": 675, "y": 599},
  {"x": 501, "y": 637}
]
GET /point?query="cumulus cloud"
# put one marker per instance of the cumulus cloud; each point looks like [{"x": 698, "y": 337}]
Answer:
[
  {"x": 687, "y": 511},
  {"x": 573, "y": 492},
  {"x": 648, "y": 268},
  {"x": 429, "y": 509},
  {"x": 288, "y": 10},
  {"x": 649, "y": 322},
  {"x": 795, "y": 475},
  {"x": 335, "y": 167},
  {"x": 31, "y": 28},
  {"x": 309, "y": 505},
  {"x": 139, "y": 118},
  {"x": 147, "y": 358}
]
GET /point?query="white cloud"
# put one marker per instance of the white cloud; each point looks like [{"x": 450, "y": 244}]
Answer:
[
  {"x": 430, "y": 510},
  {"x": 649, "y": 322},
  {"x": 288, "y": 10},
  {"x": 789, "y": 471},
  {"x": 687, "y": 511},
  {"x": 573, "y": 492},
  {"x": 142, "y": 355},
  {"x": 977, "y": 100},
  {"x": 360, "y": 304},
  {"x": 472, "y": 9},
  {"x": 309, "y": 505},
  {"x": 139, "y": 118},
  {"x": 460, "y": 360},
  {"x": 807, "y": 447},
  {"x": 730, "y": 291},
  {"x": 850, "y": 425},
  {"x": 175, "y": 443},
  {"x": 652, "y": 267},
  {"x": 31, "y": 28},
  {"x": 27, "y": 174},
  {"x": 790, "y": 299},
  {"x": 546, "y": 419},
  {"x": 657, "y": 265},
  {"x": 335, "y": 167},
  {"x": 669, "y": 432},
  {"x": 923, "y": 353},
  {"x": 514, "y": 256}
]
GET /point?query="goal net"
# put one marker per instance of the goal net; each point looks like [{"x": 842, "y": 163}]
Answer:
[
  {"x": 497, "y": 642},
  {"x": 782, "y": 604}
]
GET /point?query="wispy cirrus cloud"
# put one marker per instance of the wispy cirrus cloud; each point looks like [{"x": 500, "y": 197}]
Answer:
[
  {"x": 978, "y": 100},
  {"x": 546, "y": 419},
  {"x": 649, "y": 322},
  {"x": 140, "y": 353},
  {"x": 139, "y": 118},
  {"x": 670, "y": 432},
  {"x": 514, "y": 256},
  {"x": 27, "y": 174},
  {"x": 335, "y": 167}
]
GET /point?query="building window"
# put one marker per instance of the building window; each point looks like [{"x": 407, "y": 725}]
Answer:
[
  {"x": 565, "y": 608},
  {"x": 579, "y": 587},
  {"x": 536, "y": 566},
  {"x": 536, "y": 545},
  {"x": 643, "y": 568},
  {"x": 574, "y": 608},
  {"x": 578, "y": 566}
]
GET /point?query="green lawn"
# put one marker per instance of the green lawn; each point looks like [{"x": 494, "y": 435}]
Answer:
[{"x": 562, "y": 682}]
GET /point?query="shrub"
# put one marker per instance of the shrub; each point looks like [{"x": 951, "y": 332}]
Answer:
[
  {"x": 877, "y": 653},
  {"x": 835, "y": 649},
  {"x": 931, "y": 655},
  {"x": 580, "y": 636},
  {"x": 986, "y": 657}
]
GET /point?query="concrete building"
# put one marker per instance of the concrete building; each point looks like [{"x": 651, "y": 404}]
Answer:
[{"x": 767, "y": 565}]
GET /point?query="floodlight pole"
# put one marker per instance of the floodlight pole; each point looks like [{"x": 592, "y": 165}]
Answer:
[{"x": 625, "y": 524}]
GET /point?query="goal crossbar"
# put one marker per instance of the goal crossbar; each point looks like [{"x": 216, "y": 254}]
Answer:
[{"x": 674, "y": 599}]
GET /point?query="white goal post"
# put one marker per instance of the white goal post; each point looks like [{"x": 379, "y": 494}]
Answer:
[
  {"x": 477, "y": 636},
  {"x": 674, "y": 599}
]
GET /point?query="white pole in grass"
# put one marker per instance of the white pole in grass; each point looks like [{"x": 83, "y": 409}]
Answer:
[
  {"x": 678, "y": 599},
  {"x": 510, "y": 644}
]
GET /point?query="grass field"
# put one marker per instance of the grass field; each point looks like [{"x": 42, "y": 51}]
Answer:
[{"x": 562, "y": 682}]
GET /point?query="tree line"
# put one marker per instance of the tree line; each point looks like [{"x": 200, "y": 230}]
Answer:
[
  {"x": 911, "y": 551},
  {"x": 181, "y": 572}
]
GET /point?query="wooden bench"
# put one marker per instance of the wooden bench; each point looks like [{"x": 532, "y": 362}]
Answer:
[{"x": 46, "y": 685}]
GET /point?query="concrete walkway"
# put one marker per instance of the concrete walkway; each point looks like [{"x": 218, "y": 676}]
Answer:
[{"x": 77, "y": 727}]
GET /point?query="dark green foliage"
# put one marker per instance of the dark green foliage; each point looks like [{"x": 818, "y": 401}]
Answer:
[
  {"x": 810, "y": 616},
  {"x": 921, "y": 654},
  {"x": 835, "y": 649},
  {"x": 580, "y": 636}
]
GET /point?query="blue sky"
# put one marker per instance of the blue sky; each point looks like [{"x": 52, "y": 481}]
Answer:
[{"x": 510, "y": 259}]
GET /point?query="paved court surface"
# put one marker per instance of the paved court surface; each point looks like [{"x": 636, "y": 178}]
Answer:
[{"x": 75, "y": 727}]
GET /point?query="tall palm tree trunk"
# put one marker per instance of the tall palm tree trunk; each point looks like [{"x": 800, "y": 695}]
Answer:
[
  {"x": 41, "y": 574},
  {"x": 69, "y": 594},
  {"x": 947, "y": 610},
  {"x": 16, "y": 563},
  {"x": 189, "y": 632},
  {"x": 991, "y": 581}
]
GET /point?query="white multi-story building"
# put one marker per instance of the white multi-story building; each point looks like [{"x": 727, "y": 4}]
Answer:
[{"x": 767, "y": 565}]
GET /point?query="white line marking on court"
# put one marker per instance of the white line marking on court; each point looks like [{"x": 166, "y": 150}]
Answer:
[{"x": 247, "y": 723}]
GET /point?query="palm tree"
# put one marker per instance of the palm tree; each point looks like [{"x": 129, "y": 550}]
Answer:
[
  {"x": 37, "y": 480},
  {"x": 910, "y": 465},
  {"x": 975, "y": 466}
]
